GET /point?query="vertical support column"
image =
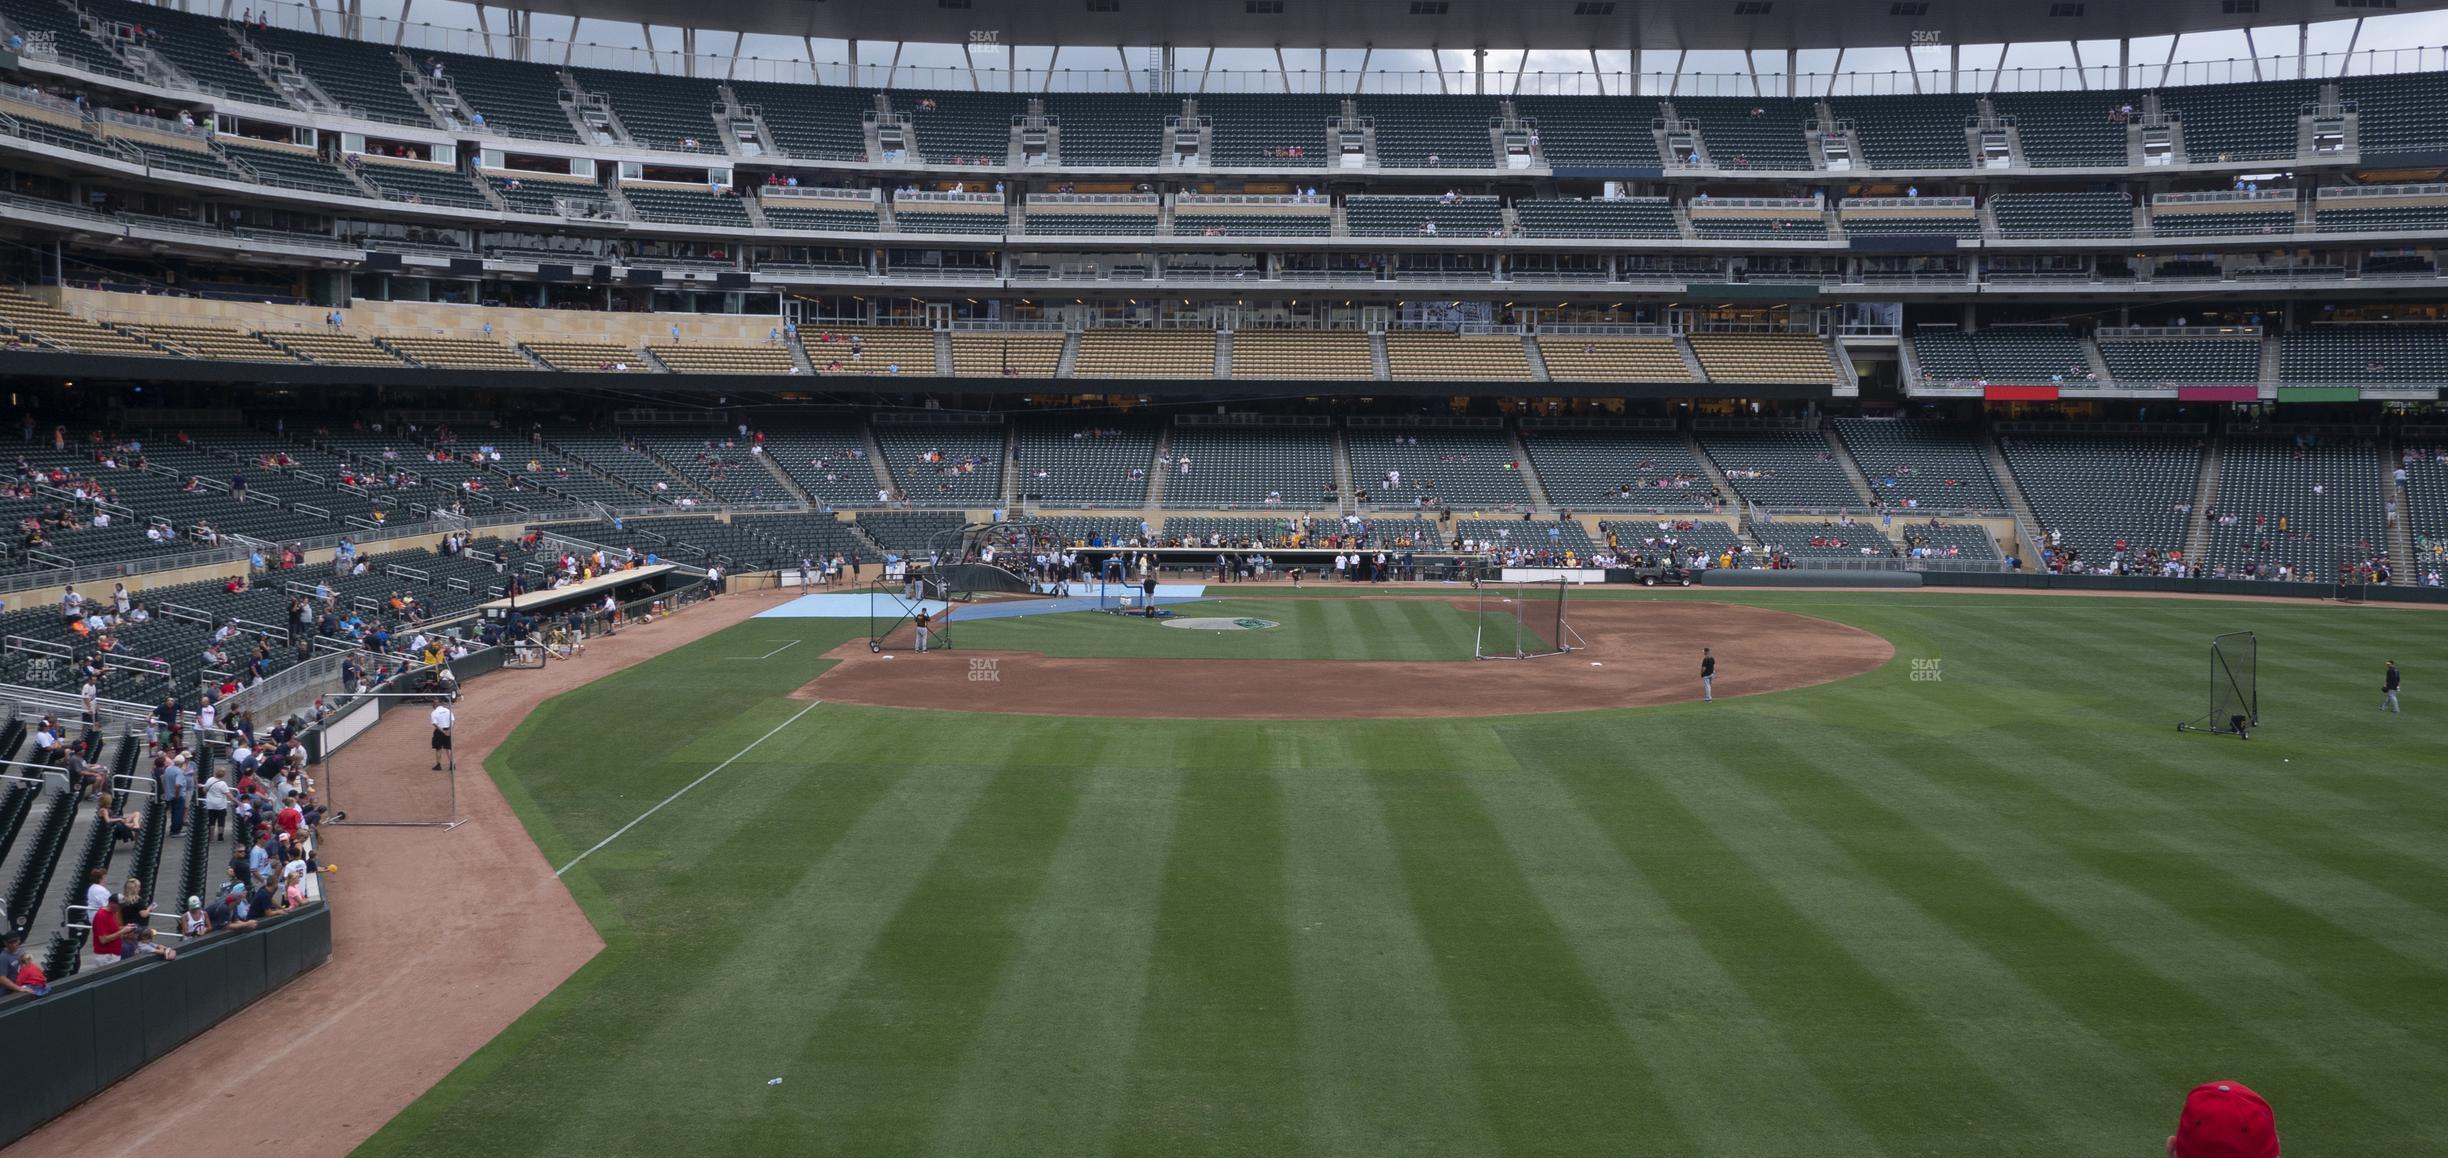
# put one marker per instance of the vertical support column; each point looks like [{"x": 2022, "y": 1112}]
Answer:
[
  {"x": 1793, "y": 74},
  {"x": 1479, "y": 72}
]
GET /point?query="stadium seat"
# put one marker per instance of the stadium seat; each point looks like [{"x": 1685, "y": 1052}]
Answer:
[
  {"x": 660, "y": 111},
  {"x": 44, "y": 324},
  {"x": 2183, "y": 361},
  {"x": 1751, "y": 133},
  {"x": 1782, "y": 469},
  {"x": 994, "y": 354},
  {"x": 2063, "y": 214},
  {"x": 1079, "y": 462},
  {"x": 1122, "y": 353},
  {"x": 1339, "y": 355},
  {"x": 694, "y": 358},
  {"x": 2313, "y": 508},
  {"x": 1604, "y": 217},
  {"x": 1608, "y": 469},
  {"x": 944, "y": 464},
  {"x": 1464, "y": 468},
  {"x": 810, "y": 122},
  {"x": 1911, "y": 133},
  {"x": 2092, "y": 490},
  {"x": 1242, "y": 466},
  {"x": 1384, "y": 216},
  {"x": 870, "y": 349},
  {"x": 1763, "y": 357},
  {"x": 1572, "y": 358},
  {"x": 1922, "y": 465},
  {"x": 1435, "y": 354}
]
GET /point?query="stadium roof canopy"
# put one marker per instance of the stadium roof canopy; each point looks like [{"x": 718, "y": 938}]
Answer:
[{"x": 1570, "y": 25}]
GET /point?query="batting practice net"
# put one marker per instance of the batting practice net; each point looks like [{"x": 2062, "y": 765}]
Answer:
[
  {"x": 2235, "y": 690},
  {"x": 1519, "y": 620}
]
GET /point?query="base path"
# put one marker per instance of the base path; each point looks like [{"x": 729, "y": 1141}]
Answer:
[
  {"x": 1638, "y": 654},
  {"x": 440, "y": 939}
]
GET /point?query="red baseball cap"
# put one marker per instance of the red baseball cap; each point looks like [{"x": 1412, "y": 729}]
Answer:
[{"x": 2225, "y": 1120}]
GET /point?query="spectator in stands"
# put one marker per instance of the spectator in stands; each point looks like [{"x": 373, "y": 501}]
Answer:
[
  {"x": 12, "y": 958},
  {"x": 120, "y": 825},
  {"x": 110, "y": 939}
]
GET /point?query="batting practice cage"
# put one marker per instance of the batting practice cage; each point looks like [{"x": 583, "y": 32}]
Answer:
[
  {"x": 1519, "y": 620},
  {"x": 2235, "y": 693},
  {"x": 894, "y": 604},
  {"x": 1115, "y": 593}
]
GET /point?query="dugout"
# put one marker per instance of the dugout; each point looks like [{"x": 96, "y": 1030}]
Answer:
[{"x": 625, "y": 587}]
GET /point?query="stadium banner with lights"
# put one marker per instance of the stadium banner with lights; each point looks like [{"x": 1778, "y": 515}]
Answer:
[
  {"x": 2218, "y": 394},
  {"x": 2019, "y": 393}
]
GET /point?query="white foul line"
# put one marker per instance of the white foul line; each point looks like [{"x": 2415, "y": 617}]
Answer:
[
  {"x": 767, "y": 655},
  {"x": 684, "y": 788}
]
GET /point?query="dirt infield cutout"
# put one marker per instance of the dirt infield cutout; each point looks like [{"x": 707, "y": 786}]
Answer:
[{"x": 1639, "y": 654}]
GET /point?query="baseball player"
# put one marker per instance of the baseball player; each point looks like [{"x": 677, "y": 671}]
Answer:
[
  {"x": 925, "y": 620},
  {"x": 2388, "y": 688},
  {"x": 1708, "y": 677}
]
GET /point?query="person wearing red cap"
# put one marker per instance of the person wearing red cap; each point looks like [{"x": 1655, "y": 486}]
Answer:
[{"x": 2225, "y": 1120}]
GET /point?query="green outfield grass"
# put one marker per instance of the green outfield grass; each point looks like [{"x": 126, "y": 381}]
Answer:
[
  {"x": 1407, "y": 629},
  {"x": 2006, "y": 912}
]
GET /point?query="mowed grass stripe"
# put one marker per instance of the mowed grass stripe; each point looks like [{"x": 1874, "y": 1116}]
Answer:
[
  {"x": 1446, "y": 632},
  {"x": 881, "y": 1064},
  {"x": 1900, "y": 1018},
  {"x": 2284, "y": 853},
  {"x": 1215, "y": 1069},
  {"x": 668, "y": 920},
  {"x": 1710, "y": 1054},
  {"x": 2144, "y": 955},
  {"x": 1386, "y": 1069},
  {"x": 1047, "y": 1068},
  {"x": 1542, "y": 1040},
  {"x": 750, "y": 1011},
  {"x": 2363, "y": 948}
]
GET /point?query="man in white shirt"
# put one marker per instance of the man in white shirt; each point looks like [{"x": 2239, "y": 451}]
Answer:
[{"x": 442, "y": 720}]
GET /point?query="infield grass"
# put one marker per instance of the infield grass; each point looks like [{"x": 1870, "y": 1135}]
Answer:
[{"x": 2006, "y": 912}]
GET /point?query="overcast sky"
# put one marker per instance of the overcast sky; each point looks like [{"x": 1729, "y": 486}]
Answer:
[{"x": 450, "y": 24}]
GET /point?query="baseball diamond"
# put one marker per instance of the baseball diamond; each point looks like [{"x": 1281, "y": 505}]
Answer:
[{"x": 1814, "y": 579}]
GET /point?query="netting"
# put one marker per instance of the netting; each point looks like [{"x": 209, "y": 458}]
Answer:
[
  {"x": 1521, "y": 620},
  {"x": 2235, "y": 691}
]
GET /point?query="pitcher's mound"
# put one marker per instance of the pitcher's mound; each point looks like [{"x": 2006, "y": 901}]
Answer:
[{"x": 1638, "y": 654}]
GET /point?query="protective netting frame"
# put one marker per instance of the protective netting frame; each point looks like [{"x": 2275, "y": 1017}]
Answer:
[
  {"x": 2235, "y": 687},
  {"x": 1522, "y": 619}
]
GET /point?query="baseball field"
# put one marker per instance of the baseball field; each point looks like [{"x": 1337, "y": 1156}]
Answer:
[{"x": 1934, "y": 875}]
